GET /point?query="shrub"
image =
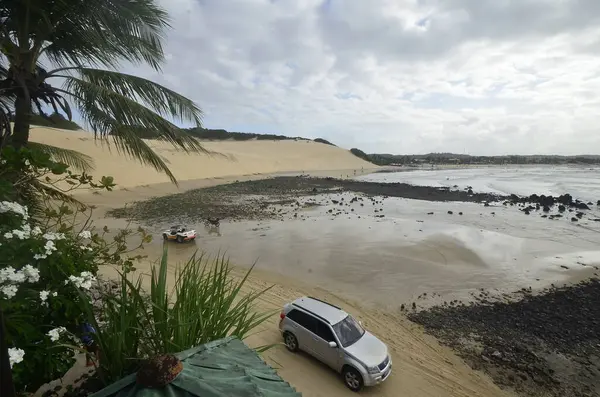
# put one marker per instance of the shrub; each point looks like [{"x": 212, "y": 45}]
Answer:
[
  {"x": 30, "y": 177},
  {"x": 44, "y": 261},
  {"x": 49, "y": 262},
  {"x": 325, "y": 141},
  {"x": 360, "y": 153},
  {"x": 55, "y": 120},
  {"x": 206, "y": 303},
  {"x": 40, "y": 271}
]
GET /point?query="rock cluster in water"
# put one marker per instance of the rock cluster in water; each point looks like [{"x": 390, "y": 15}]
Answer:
[{"x": 545, "y": 344}]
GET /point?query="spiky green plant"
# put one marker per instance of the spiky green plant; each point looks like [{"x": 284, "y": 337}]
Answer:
[
  {"x": 80, "y": 43},
  {"x": 118, "y": 336},
  {"x": 205, "y": 303}
]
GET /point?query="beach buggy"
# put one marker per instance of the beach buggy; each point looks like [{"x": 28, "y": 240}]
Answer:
[{"x": 179, "y": 234}]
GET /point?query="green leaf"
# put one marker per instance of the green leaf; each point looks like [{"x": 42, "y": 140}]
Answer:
[
  {"x": 107, "y": 102},
  {"x": 72, "y": 158}
]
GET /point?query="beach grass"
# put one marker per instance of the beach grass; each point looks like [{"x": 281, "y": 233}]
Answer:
[{"x": 204, "y": 302}]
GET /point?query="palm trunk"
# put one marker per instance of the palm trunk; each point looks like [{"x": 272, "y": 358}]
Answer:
[{"x": 20, "y": 135}]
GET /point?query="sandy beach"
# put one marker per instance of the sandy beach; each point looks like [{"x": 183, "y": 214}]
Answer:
[
  {"x": 229, "y": 159},
  {"x": 377, "y": 249}
]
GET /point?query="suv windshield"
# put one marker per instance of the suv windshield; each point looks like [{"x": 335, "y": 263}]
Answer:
[{"x": 348, "y": 331}]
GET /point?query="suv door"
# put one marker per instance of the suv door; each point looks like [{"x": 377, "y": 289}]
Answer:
[
  {"x": 327, "y": 354},
  {"x": 305, "y": 327}
]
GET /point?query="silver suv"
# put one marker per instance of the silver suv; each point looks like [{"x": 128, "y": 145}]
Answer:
[{"x": 334, "y": 337}]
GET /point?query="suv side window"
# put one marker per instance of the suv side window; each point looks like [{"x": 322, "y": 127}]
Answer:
[
  {"x": 324, "y": 332},
  {"x": 305, "y": 320}
]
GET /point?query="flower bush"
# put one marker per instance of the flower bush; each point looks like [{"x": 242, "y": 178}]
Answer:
[
  {"x": 47, "y": 259},
  {"x": 40, "y": 271}
]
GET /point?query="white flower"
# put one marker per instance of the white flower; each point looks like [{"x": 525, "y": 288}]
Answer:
[
  {"x": 36, "y": 231},
  {"x": 39, "y": 256},
  {"x": 9, "y": 206},
  {"x": 55, "y": 293},
  {"x": 9, "y": 274},
  {"x": 86, "y": 248},
  {"x": 44, "y": 295},
  {"x": 31, "y": 273},
  {"x": 15, "y": 356},
  {"x": 85, "y": 234},
  {"x": 24, "y": 233},
  {"x": 50, "y": 247},
  {"x": 27, "y": 163},
  {"x": 84, "y": 280},
  {"x": 54, "y": 236},
  {"x": 6, "y": 274},
  {"x": 8, "y": 235},
  {"x": 54, "y": 334},
  {"x": 9, "y": 290}
]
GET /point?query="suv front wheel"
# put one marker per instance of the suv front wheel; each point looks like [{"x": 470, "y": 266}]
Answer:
[
  {"x": 352, "y": 378},
  {"x": 290, "y": 341}
]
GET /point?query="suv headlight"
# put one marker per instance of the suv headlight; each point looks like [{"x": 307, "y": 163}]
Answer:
[{"x": 373, "y": 370}]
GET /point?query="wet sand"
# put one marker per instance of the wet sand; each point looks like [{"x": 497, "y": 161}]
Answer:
[
  {"x": 389, "y": 253},
  {"x": 383, "y": 251}
]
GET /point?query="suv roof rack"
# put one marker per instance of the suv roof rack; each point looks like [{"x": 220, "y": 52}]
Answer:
[
  {"x": 322, "y": 301},
  {"x": 311, "y": 312}
]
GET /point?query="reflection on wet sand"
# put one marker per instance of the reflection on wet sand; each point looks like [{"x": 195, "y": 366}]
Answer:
[{"x": 393, "y": 260}]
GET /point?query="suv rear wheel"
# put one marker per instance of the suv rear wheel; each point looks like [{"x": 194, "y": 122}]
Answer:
[
  {"x": 179, "y": 239},
  {"x": 352, "y": 378},
  {"x": 290, "y": 341}
]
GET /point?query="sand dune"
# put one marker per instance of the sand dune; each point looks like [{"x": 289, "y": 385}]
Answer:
[{"x": 235, "y": 158}]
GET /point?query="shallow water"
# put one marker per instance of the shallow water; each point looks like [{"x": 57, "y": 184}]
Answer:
[
  {"x": 394, "y": 259},
  {"x": 582, "y": 182}
]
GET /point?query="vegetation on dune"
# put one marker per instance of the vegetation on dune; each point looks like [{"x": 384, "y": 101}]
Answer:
[
  {"x": 54, "y": 120},
  {"x": 453, "y": 158},
  {"x": 325, "y": 141},
  {"x": 224, "y": 135},
  {"x": 359, "y": 153}
]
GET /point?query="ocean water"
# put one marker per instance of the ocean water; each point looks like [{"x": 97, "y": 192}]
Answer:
[{"x": 581, "y": 182}]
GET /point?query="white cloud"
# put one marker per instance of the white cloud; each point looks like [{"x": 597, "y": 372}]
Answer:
[{"x": 403, "y": 76}]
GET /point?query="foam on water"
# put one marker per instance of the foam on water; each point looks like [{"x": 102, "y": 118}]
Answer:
[{"x": 581, "y": 182}]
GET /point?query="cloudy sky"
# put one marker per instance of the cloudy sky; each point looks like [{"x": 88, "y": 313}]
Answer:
[{"x": 402, "y": 76}]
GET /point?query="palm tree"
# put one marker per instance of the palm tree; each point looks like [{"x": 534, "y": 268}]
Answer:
[{"x": 61, "y": 52}]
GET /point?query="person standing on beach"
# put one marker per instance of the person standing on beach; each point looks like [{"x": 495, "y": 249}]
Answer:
[{"x": 90, "y": 344}]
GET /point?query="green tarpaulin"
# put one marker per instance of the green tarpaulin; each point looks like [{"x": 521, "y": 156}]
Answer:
[{"x": 223, "y": 368}]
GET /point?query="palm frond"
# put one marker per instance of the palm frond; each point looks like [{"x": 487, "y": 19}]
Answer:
[
  {"x": 108, "y": 102},
  {"x": 74, "y": 34},
  {"x": 124, "y": 110},
  {"x": 72, "y": 158},
  {"x": 103, "y": 32},
  {"x": 126, "y": 138},
  {"x": 49, "y": 191},
  {"x": 161, "y": 99}
]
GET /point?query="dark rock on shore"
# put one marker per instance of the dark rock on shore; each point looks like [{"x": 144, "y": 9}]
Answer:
[
  {"x": 256, "y": 199},
  {"x": 546, "y": 344},
  {"x": 547, "y": 202}
]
